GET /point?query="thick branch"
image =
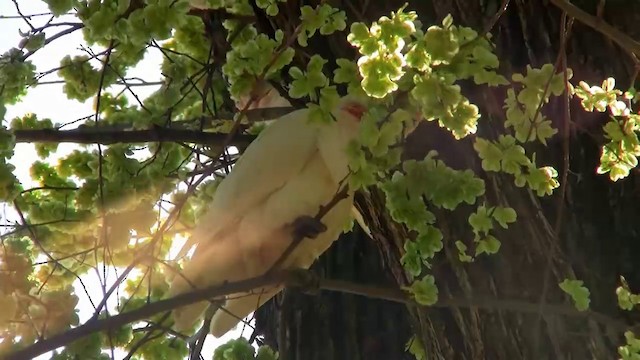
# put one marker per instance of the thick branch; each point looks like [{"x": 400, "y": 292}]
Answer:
[
  {"x": 622, "y": 39},
  {"x": 176, "y": 132},
  {"x": 109, "y": 136}
]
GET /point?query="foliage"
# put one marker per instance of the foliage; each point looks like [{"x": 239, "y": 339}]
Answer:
[
  {"x": 626, "y": 299},
  {"x": 620, "y": 154},
  {"x": 121, "y": 205},
  {"x": 240, "y": 349},
  {"x": 578, "y": 293},
  {"x": 416, "y": 348},
  {"x": 631, "y": 350}
]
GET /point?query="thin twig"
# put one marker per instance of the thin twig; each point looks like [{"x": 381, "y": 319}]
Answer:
[
  {"x": 562, "y": 57},
  {"x": 494, "y": 20},
  {"x": 201, "y": 335},
  {"x": 298, "y": 237}
]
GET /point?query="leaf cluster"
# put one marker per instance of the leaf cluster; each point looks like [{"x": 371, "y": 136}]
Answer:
[{"x": 106, "y": 206}]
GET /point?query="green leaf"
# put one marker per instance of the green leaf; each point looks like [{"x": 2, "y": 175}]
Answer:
[
  {"x": 462, "y": 252},
  {"x": 578, "y": 293},
  {"x": 424, "y": 291},
  {"x": 411, "y": 260},
  {"x": 60, "y": 7},
  {"x": 504, "y": 216},
  {"x": 266, "y": 353},
  {"x": 480, "y": 221},
  {"x": 414, "y": 347},
  {"x": 237, "y": 349},
  {"x": 441, "y": 44},
  {"x": 488, "y": 245},
  {"x": 429, "y": 242}
]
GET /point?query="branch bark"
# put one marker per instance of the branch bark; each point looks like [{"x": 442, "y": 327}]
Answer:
[
  {"x": 107, "y": 136},
  {"x": 177, "y": 131},
  {"x": 620, "y": 38}
]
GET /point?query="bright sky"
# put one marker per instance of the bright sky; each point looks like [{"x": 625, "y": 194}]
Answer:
[{"x": 49, "y": 101}]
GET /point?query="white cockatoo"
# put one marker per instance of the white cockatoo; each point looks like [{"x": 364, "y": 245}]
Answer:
[
  {"x": 264, "y": 96},
  {"x": 292, "y": 169}
]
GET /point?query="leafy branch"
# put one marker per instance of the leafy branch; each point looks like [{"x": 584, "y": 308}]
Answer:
[{"x": 300, "y": 279}]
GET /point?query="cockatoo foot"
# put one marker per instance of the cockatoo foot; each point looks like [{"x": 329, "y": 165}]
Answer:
[{"x": 308, "y": 226}]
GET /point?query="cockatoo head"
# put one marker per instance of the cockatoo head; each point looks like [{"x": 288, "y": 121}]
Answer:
[
  {"x": 262, "y": 95},
  {"x": 353, "y": 106},
  {"x": 348, "y": 113}
]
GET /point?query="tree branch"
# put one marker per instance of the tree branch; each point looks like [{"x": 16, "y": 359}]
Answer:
[
  {"x": 622, "y": 39},
  {"x": 108, "y": 136},
  {"x": 178, "y": 131}
]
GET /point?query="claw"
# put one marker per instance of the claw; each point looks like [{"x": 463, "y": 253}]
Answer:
[{"x": 308, "y": 226}]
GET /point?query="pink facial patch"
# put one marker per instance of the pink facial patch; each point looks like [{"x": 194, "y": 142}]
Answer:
[{"x": 355, "y": 109}]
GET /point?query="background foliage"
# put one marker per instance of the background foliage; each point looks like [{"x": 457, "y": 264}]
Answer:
[{"x": 145, "y": 168}]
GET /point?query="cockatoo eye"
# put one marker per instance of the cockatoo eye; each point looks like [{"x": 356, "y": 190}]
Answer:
[{"x": 355, "y": 109}]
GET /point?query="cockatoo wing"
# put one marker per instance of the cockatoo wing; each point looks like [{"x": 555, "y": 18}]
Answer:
[
  {"x": 290, "y": 142},
  {"x": 239, "y": 307},
  {"x": 360, "y": 219}
]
